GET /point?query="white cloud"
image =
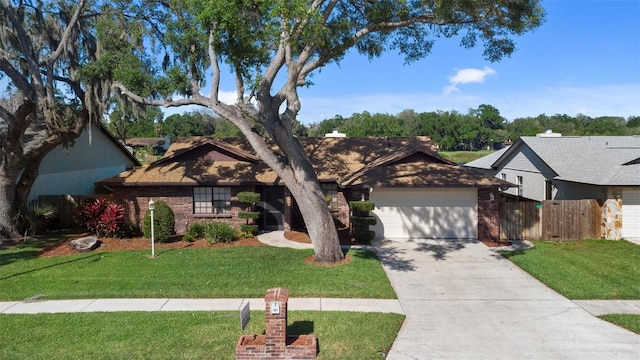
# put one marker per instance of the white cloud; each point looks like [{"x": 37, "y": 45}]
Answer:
[{"x": 465, "y": 76}]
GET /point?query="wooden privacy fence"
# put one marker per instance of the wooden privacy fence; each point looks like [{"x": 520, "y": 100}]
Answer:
[
  {"x": 550, "y": 220},
  {"x": 66, "y": 206}
]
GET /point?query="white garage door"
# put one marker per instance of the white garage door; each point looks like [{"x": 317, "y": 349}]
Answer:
[
  {"x": 631, "y": 214},
  {"x": 426, "y": 213}
]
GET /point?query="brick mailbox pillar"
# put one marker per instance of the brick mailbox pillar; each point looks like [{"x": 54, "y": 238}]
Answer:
[
  {"x": 275, "y": 344},
  {"x": 276, "y": 320}
]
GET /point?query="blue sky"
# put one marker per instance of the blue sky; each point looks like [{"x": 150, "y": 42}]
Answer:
[{"x": 584, "y": 59}]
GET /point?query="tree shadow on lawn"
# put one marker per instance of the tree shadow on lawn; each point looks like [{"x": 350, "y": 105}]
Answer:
[{"x": 95, "y": 255}]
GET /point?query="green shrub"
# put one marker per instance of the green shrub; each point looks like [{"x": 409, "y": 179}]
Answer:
[
  {"x": 248, "y": 197},
  {"x": 216, "y": 232},
  {"x": 361, "y": 206},
  {"x": 194, "y": 231},
  {"x": 252, "y": 215},
  {"x": 363, "y": 235},
  {"x": 128, "y": 230},
  {"x": 361, "y": 219},
  {"x": 163, "y": 222},
  {"x": 251, "y": 198},
  {"x": 364, "y": 220},
  {"x": 248, "y": 229}
]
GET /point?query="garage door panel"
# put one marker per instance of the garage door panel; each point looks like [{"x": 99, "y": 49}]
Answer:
[
  {"x": 631, "y": 214},
  {"x": 426, "y": 213}
]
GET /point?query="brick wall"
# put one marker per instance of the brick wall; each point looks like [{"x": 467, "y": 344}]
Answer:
[
  {"x": 275, "y": 344},
  {"x": 135, "y": 201},
  {"x": 488, "y": 214}
]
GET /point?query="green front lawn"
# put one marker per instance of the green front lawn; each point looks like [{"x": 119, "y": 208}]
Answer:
[
  {"x": 463, "y": 157},
  {"x": 185, "y": 335},
  {"x": 627, "y": 321},
  {"x": 589, "y": 269},
  {"x": 189, "y": 273}
]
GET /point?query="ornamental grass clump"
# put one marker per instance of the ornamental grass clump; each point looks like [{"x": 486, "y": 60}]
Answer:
[
  {"x": 216, "y": 232},
  {"x": 164, "y": 222}
]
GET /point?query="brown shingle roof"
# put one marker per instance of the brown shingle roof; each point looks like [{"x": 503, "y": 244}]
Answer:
[{"x": 401, "y": 161}]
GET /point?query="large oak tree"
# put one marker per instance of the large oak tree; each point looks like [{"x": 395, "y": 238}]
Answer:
[
  {"x": 43, "y": 45},
  {"x": 271, "y": 48}
]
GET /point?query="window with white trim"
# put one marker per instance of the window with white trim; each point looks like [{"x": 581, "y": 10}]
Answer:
[
  {"x": 519, "y": 182},
  {"x": 503, "y": 176},
  {"x": 212, "y": 200}
]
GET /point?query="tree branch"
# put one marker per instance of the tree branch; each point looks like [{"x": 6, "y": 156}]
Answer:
[
  {"x": 196, "y": 99},
  {"x": 67, "y": 33},
  {"x": 215, "y": 77}
]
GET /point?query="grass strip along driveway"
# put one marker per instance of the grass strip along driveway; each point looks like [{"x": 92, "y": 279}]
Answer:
[
  {"x": 234, "y": 272},
  {"x": 587, "y": 270},
  {"x": 185, "y": 335}
]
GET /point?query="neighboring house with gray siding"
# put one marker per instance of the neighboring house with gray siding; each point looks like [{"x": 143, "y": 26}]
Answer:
[
  {"x": 554, "y": 167},
  {"x": 74, "y": 170}
]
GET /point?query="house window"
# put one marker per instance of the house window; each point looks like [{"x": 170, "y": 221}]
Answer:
[
  {"x": 503, "y": 177},
  {"x": 519, "y": 183},
  {"x": 548, "y": 190},
  {"x": 329, "y": 189},
  {"x": 211, "y": 200}
]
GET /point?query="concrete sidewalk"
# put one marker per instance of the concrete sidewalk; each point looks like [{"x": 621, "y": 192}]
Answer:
[
  {"x": 111, "y": 305},
  {"x": 464, "y": 301}
]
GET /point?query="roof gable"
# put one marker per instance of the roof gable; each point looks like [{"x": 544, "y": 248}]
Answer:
[
  {"x": 597, "y": 160},
  {"x": 402, "y": 161},
  {"x": 209, "y": 150}
]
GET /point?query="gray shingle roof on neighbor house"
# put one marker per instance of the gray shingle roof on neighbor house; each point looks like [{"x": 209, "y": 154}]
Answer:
[{"x": 597, "y": 160}]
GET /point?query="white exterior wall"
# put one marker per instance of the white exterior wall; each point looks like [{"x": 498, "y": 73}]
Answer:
[
  {"x": 631, "y": 213},
  {"x": 534, "y": 173},
  {"x": 73, "y": 171}
]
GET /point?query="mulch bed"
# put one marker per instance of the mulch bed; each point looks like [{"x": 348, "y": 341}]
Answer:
[
  {"x": 140, "y": 243},
  {"x": 63, "y": 248}
]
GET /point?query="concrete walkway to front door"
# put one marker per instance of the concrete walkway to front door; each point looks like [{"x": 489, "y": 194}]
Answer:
[{"x": 464, "y": 301}]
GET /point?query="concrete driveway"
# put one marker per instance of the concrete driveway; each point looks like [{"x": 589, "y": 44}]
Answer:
[{"x": 464, "y": 301}]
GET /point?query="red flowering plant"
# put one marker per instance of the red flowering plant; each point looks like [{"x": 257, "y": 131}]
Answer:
[
  {"x": 101, "y": 217},
  {"x": 110, "y": 220}
]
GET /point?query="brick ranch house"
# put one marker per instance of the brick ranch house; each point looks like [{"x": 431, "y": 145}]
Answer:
[{"x": 417, "y": 193}]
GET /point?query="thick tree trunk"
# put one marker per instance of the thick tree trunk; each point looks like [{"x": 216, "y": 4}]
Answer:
[
  {"x": 297, "y": 173},
  {"x": 305, "y": 188},
  {"x": 320, "y": 224},
  {"x": 7, "y": 208},
  {"x": 7, "y": 201}
]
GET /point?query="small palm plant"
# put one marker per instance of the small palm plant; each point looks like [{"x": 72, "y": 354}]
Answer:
[{"x": 35, "y": 217}]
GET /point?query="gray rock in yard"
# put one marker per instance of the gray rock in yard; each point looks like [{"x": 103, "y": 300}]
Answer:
[{"x": 84, "y": 244}]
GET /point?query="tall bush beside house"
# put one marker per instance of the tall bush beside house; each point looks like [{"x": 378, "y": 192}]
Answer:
[
  {"x": 164, "y": 222},
  {"x": 251, "y": 199},
  {"x": 361, "y": 219}
]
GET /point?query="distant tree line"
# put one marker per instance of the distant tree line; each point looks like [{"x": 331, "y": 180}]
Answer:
[{"x": 480, "y": 128}]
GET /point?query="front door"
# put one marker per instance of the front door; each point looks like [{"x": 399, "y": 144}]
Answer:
[{"x": 271, "y": 207}]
